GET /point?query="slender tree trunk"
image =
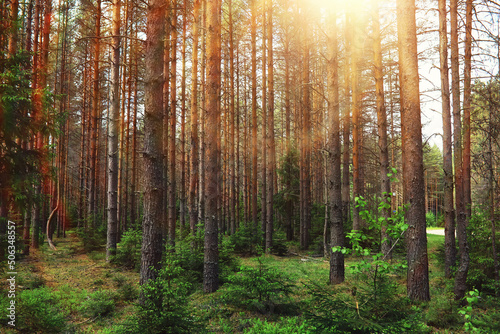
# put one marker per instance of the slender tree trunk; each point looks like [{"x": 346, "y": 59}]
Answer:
[
  {"x": 413, "y": 169},
  {"x": 306, "y": 139},
  {"x": 254, "y": 111},
  {"x": 211, "y": 259},
  {"x": 271, "y": 167},
  {"x": 463, "y": 267},
  {"x": 166, "y": 113},
  {"x": 491, "y": 180},
  {"x": 93, "y": 125},
  {"x": 346, "y": 124},
  {"x": 337, "y": 271},
  {"x": 151, "y": 251},
  {"x": 356, "y": 122},
  {"x": 385, "y": 184},
  {"x": 172, "y": 213},
  {"x": 263, "y": 203},
  {"x": 234, "y": 195},
  {"x": 113, "y": 135},
  {"x": 467, "y": 109},
  {"x": 449, "y": 214},
  {"x": 182, "y": 187},
  {"x": 193, "y": 215}
]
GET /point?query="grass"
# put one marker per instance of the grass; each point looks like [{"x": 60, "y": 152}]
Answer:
[{"x": 74, "y": 275}]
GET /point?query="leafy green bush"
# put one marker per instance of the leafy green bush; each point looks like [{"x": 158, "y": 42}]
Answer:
[
  {"x": 258, "y": 289},
  {"x": 128, "y": 252},
  {"x": 98, "y": 304},
  {"x": 374, "y": 303},
  {"x": 430, "y": 219},
  {"x": 360, "y": 311},
  {"x": 92, "y": 238},
  {"x": 481, "y": 271},
  {"x": 284, "y": 325},
  {"x": 164, "y": 302},
  {"x": 247, "y": 240},
  {"x": 39, "y": 311},
  {"x": 190, "y": 257},
  {"x": 443, "y": 312}
]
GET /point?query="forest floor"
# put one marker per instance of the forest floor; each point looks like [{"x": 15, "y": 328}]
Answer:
[{"x": 77, "y": 276}]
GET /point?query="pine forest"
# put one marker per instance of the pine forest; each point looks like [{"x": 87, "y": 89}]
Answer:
[{"x": 249, "y": 166}]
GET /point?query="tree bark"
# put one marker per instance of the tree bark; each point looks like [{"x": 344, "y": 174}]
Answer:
[
  {"x": 211, "y": 258},
  {"x": 449, "y": 214},
  {"x": 93, "y": 121},
  {"x": 172, "y": 212},
  {"x": 271, "y": 167},
  {"x": 385, "y": 183},
  {"x": 337, "y": 270},
  {"x": 413, "y": 169},
  {"x": 254, "y": 111},
  {"x": 151, "y": 251},
  {"x": 194, "y": 179},
  {"x": 113, "y": 135},
  {"x": 463, "y": 267}
]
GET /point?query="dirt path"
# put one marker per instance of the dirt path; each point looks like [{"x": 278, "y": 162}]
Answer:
[
  {"x": 69, "y": 265},
  {"x": 436, "y": 231}
]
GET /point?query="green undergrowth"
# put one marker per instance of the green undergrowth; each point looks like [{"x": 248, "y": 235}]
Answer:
[{"x": 73, "y": 290}]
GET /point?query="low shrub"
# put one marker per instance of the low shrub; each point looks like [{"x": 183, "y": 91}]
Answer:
[
  {"x": 39, "y": 311},
  {"x": 93, "y": 239},
  {"x": 163, "y": 306},
  {"x": 98, "y": 304},
  {"x": 259, "y": 289},
  {"x": 128, "y": 252},
  {"x": 284, "y": 325},
  {"x": 247, "y": 239}
]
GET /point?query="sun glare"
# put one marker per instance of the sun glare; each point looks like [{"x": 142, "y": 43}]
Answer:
[{"x": 339, "y": 5}]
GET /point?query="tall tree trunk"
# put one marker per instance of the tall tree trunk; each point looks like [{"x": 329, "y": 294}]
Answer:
[
  {"x": 385, "y": 184},
  {"x": 271, "y": 149},
  {"x": 151, "y": 251},
  {"x": 166, "y": 117},
  {"x": 182, "y": 186},
  {"x": 463, "y": 267},
  {"x": 346, "y": 124},
  {"x": 337, "y": 270},
  {"x": 254, "y": 111},
  {"x": 211, "y": 259},
  {"x": 305, "y": 180},
  {"x": 449, "y": 213},
  {"x": 413, "y": 167},
  {"x": 356, "y": 122},
  {"x": 93, "y": 124},
  {"x": 263, "y": 203},
  {"x": 234, "y": 195},
  {"x": 172, "y": 213},
  {"x": 113, "y": 135},
  {"x": 467, "y": 109},
  {"x": 193, "y": 214}
]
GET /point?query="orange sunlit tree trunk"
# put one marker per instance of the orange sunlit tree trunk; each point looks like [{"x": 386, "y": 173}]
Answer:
[
  {"x": 413, "y": 169},
  {"x": 212, "y": 194},
  {"x": 337, "y": 270}
]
